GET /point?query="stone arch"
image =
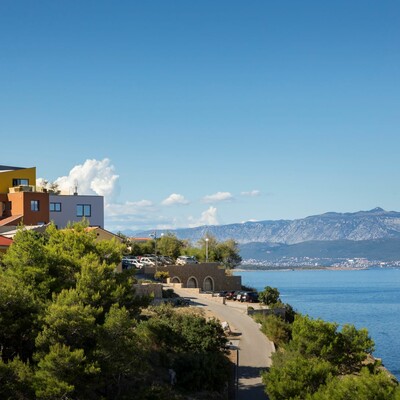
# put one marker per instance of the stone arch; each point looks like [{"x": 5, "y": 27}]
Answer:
[
  {"x": 192, "y": 282},
  {"x": 175, "y": 279},
  {"x": 208, "y": 284}
]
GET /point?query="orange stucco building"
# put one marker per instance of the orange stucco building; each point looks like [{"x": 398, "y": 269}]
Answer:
[{"x": 19, "y": 200}]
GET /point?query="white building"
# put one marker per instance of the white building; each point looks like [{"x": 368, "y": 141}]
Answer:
[{"x": 66, "y": 209}]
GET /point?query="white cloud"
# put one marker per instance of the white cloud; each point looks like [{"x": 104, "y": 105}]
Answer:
[
  {"x": 208, "y": 217},
  {"x": 174, "y": 198},
  {"x": 217, "y": 197},
  {"x": 252, "y": 193},
  {"x": 135, "y": 208},
  {"x": 92, "y": 177}
]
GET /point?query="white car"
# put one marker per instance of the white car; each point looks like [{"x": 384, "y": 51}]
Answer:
[
  {"x": 129, "y": 262},
  {"x": 137, "y": 264},
  {"x": 183, "y": 260},
  {"x": 148, "y": 260}
]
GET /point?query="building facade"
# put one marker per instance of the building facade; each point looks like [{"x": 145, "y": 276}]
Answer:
[
  {"x": 209, "y": 277},
  {"x": 66, "y": 209},
  {"x": 21, "y": 202}
]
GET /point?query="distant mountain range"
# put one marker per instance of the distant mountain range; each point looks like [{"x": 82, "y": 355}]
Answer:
[{"x": 331, "y": 234}]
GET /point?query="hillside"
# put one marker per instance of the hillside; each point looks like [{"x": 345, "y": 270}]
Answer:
[
  {"x": 373, "y": 234},
  {"x": 361, "y": 225}
]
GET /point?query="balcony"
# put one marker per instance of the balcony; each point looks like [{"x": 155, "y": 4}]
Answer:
[{"x": 21, "y": 188}]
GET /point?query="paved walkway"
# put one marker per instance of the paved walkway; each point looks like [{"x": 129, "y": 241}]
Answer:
[{"x": 254, "y": 348}]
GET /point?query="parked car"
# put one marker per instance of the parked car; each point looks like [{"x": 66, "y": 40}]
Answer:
[
  {"x": 237, "y": 296},
  {"x": 232, "y": 295},
  {"x": 250, "y": 297},
  {"x": 148, "y": 260},
  {"x": 165, "y": 260},
  {"x": 183, "y": 260},
  {"x": 127, "y": 261},
  {"x": 137, "y": 264},
  {"x": 131, "y": 262}
]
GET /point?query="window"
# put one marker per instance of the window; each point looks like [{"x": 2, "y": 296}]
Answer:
[
  {"x": 34, "y": 205},
  {"x": 18, "y": 182},
  {"x": 83, "y": 210},
  {"x": 55, "y": 207}
]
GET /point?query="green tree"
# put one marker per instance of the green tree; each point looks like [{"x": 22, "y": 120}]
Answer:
[
  {"x": 294, "y": 377},
  {"x": 366, "y": 386},
  {"x": 207, "y": 244},
  {"x": 228, "y": 253},
  {"x": 120, "y": 356},
  {"x": 64, "y": 373},
  {"x": 19, "y": 318},
  {"x": 16, "y": 380},
  {"x": 191, "y": 345},
  {"x": 314, "y": 338},
  {"x": 26, "y": 261},
  {"x": 275, "y": 328},
  {"x": 354, "y": 345},
  {"x": 269, "y": 295},
  {"x": 68, "y": 321},
  {"x": 169, "y": 245},
  {"x": 346, "y": 349}
]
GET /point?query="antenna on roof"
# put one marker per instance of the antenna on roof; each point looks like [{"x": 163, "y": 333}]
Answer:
[{"x": 75, "y": 187}]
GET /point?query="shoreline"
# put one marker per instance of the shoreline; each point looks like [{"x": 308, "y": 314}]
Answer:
[{"x": 288, "y": 269}]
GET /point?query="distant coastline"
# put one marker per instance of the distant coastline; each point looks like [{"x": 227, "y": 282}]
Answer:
[{"x": 252, "y": 267}]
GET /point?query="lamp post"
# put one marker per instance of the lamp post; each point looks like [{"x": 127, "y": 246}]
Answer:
[
  {"x": 206, "y": 249},
  {"x": 154, "y": 235}
]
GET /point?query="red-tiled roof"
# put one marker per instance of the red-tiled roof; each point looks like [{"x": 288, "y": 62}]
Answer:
[{"x": 5, "y": 241}]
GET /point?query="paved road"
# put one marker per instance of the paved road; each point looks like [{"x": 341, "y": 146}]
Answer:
[{"x": 254, "y": 348}]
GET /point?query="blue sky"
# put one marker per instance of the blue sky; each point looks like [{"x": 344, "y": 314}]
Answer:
[{"x": 185, "y": 113}]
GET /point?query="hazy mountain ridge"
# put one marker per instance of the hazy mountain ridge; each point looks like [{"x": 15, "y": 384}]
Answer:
[
  {"x": 362, "y": 225},
  {"x": 383, "y": 250}
]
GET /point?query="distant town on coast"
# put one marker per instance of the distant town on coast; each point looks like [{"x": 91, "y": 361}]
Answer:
[{"x": 360, "y": 240}]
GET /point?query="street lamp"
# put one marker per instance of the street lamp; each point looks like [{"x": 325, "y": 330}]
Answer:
[
  {"x": 206, "y": 249},
  {"x": 154, "y": 235}
]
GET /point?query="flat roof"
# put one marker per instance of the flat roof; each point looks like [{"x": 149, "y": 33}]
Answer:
[{"x": 4, "y": 168}]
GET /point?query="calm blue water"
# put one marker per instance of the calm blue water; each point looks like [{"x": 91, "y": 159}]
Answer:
[{"x": 366, "y": 298}]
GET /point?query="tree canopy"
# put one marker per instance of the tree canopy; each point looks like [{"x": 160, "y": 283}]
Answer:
[
  {"x": 323, "y": 361},
  {"x": 71, "y": 327}
]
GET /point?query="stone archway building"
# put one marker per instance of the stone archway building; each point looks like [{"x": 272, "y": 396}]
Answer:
[{"x": 209, "y": 277}]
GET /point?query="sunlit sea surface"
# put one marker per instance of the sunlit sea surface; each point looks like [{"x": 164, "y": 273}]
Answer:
[{"x": 365, "y": 298}]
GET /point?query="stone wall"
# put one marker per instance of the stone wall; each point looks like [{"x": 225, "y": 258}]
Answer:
[
  {"x": 148, "y": 289},
  {"x": 209, "y": 277}
]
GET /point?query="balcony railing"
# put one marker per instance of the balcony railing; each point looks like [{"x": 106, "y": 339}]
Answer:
[{"x": 21, "y": 188}]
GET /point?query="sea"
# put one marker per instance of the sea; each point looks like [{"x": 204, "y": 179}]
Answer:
[{"x": 368, "y": 298}]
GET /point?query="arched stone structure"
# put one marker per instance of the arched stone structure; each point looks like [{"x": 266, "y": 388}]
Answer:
[
  {"x": 175, "y": 279},
  {"x": 208, "y": 284},
  {"x": 192, "y": 282}
]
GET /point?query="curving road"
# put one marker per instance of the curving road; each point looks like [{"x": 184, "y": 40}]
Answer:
[{"x": 254, "y": 348}]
